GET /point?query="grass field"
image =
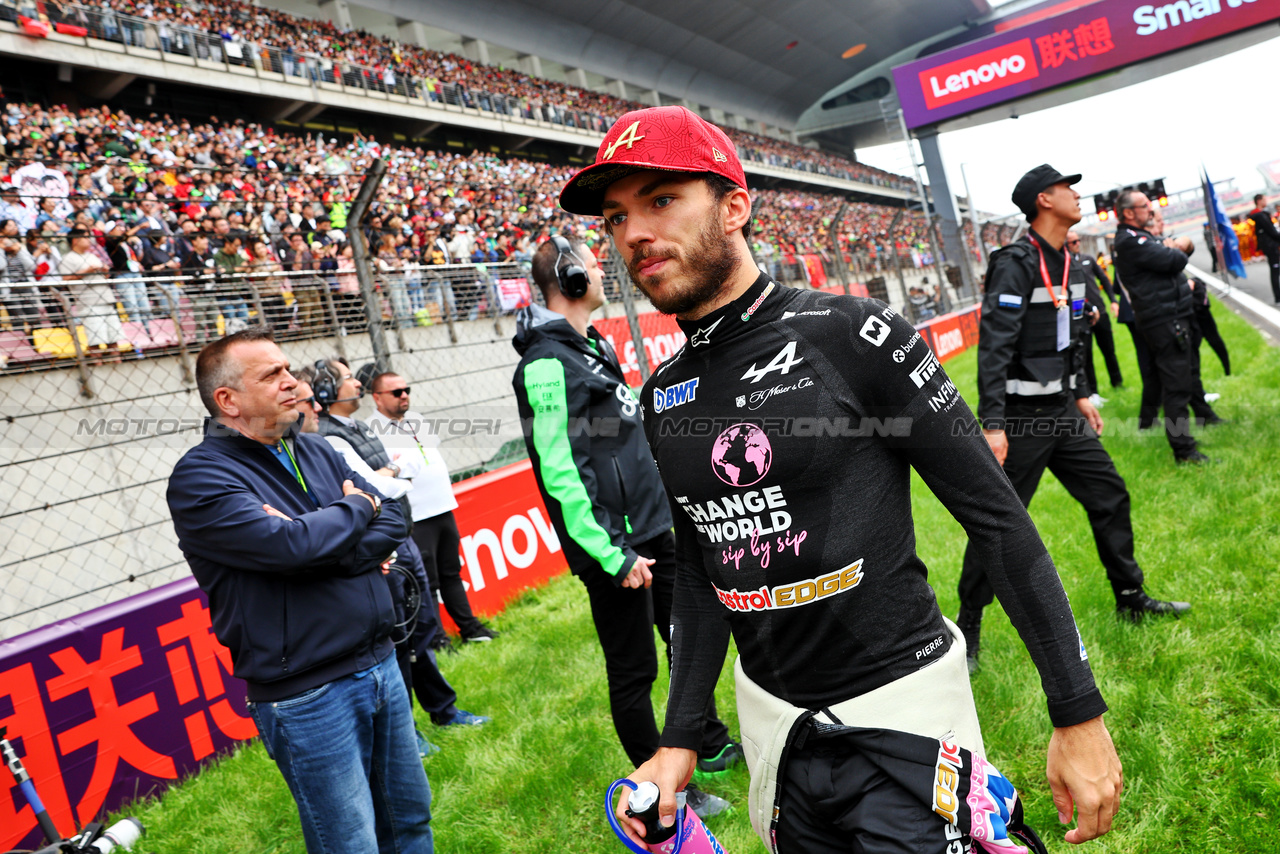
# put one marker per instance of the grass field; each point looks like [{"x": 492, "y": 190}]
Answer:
[{"x": 1195, "y": 703}]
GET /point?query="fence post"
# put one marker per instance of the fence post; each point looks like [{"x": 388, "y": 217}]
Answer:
[
  {"x": 174, "y": 300},
  {"x": 86, "y": 382},
  {"x": 633, "y": 319},
  {"x": 834, "y": 234},
  {"x": 360, "y": 254}
]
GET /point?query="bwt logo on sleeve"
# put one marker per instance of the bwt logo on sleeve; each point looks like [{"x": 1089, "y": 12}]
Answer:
[{"x": 978, "y": 74}]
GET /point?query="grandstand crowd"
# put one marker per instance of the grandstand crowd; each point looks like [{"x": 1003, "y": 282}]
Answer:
[
  {"x": 275, "y": 41},
  {"x": 143, "y": 188}
]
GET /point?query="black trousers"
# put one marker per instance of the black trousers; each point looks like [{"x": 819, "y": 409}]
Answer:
[
  {"x": 836, "y": 801},
  {"x": 625, "y": 619},
  {"x": 1209, "y": 329},
  {"x": 1077, "y": 459},
  {"x": 1176, "y": 364},
  {"x": 1101, "y": 333},
  {"x": 438, "y": 540},
  {"x": 414, "y": 655},
  {"x": 1273, "y": 265}
]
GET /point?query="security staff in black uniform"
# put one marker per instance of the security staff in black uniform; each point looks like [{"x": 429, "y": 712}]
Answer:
[
  {"x": 1030, "y": 374},
  {"x": 1148, "y": 268},
  {"x": 1099, "y": 327}
]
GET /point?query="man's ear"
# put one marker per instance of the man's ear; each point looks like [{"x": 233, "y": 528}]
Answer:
[
  {"x": 736, "y": 209},
  {"x": 225, "y": 398}
]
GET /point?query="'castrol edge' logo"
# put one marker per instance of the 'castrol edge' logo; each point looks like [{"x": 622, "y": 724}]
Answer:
[{"x": 978, "y": 74}]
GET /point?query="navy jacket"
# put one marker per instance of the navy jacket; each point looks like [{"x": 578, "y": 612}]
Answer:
[{"x": 299, "y": 603}]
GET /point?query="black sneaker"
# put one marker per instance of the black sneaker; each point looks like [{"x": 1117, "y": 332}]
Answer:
[
  {"x": 1195, "y": 458},
  {"x": 718, "y": 766},
  {"x": 704, "y": 804},
  {"x": 484, "y": 634},
  {"x": 1133, "y": 605}
]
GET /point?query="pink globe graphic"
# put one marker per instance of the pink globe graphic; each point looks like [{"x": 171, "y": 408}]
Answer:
[{"x": 741, "y": 455}]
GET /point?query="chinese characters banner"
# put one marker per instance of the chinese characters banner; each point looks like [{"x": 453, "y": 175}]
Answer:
[
  {"x": 113, "y": 705},
  {"x": 1080, "y": 43}
]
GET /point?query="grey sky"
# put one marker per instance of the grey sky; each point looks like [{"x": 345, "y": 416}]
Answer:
[{"x": 1224, "y": 113}]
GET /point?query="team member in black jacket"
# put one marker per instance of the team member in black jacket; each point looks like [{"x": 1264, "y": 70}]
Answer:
[
  {"x": 1033, "y": 399},
  {"x": 1099, "y": 328},
  {"x": 602, "y": 490},
  {"x": 786, "y": 430},
  {"x": 1148, "y": 269},
  {"x": 1268, "y": 238},
  {"x": 287, "y": 542}
]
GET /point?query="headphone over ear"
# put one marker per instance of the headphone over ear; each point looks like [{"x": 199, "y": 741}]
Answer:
[
  {"x": 572, "y": 277},
  {"x": 325, "y": 385}
]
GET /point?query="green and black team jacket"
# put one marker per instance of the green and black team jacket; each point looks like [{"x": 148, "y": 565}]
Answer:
[{"x": 584, "y": 432}]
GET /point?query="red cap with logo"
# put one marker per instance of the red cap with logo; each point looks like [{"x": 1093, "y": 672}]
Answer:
[{"x": 668, "y": 138}]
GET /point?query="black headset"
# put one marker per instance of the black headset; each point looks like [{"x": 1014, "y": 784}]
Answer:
[
  {"x": 325, "y": 385},
  {"x": 572, "y": 277}
]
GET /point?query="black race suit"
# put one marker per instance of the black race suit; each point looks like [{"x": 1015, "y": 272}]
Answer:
[{"x": 786, "y": 436}]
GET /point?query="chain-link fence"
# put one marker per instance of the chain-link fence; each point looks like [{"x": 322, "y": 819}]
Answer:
[{"x": 99, "y": 396}]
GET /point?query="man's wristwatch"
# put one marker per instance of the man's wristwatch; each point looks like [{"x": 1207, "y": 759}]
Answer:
[
  {"x": 395, "y": 469},
  {"x": 377, "y": 503}
]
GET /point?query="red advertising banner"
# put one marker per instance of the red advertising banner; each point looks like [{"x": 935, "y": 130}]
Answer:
[
  {"x": 952, "y": 334},
  {"x": 514, "y": 293},
  {"x": 1052, "y": 50},
  {"x": 662, "y": 340},
  {"x": 115, "y": 704},
  {"x": 508, "y": 543}
]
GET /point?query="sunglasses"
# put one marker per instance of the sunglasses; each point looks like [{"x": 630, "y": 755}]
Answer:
[
  {"x": 309, "y": 401},
  {"x": 396, "y": 392}
]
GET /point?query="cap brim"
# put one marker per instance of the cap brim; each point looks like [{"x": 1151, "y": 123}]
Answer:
[
  {"x": 1070, "y": 179},
  {"x": 584, "y": 194}
]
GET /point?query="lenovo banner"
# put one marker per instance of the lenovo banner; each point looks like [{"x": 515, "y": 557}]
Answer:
[{"x": 1053, "y": 51}]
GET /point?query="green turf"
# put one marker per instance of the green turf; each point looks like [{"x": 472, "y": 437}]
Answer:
[{"x": 1195, "y": 702}]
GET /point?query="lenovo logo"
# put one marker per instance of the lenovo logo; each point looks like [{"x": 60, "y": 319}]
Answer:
[{"x": 978, "y": 74}]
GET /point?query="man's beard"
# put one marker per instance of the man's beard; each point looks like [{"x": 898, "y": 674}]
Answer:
[{"x": 708, "y": 263}]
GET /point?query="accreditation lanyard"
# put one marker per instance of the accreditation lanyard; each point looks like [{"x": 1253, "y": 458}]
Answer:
[
  {"x": 414, "y": 433},
  {"x": 1063, "y": 303},
  {"x": 297, "y": 472}
]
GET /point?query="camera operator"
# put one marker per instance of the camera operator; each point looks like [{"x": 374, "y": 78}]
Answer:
[
  {"x": 288, "y": 543},
  {"x": 1030, "y": 377},
  {"x": 1148, "y": 268}
]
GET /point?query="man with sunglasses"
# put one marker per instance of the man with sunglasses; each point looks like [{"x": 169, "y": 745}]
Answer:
[
  {"x": 1149, "y": 269},
  {"x": 415, "y": 454},
  {"x": 1033, "y": 398}
]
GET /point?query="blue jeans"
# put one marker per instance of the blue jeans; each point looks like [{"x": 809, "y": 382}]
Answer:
[
  {"x": 348, "y": 752},
  {"x": 133, "y": 293}
]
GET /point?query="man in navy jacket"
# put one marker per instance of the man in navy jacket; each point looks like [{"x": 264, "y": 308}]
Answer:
[{"x": 288, "y": 544}]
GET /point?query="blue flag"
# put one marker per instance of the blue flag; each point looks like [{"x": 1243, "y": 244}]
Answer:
[{"x": 1231, "y": 259}]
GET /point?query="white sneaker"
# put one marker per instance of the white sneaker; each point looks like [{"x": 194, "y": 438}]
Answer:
[
  {"x": 1097, "y": 400},
  {"x": 1211, "y": 397}
]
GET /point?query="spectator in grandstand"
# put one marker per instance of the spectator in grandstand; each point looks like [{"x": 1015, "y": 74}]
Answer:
[
  {"x": 93, "y": 300},
  {"x": 273, "y": 521},
  {"x": 1268, "y": 241},
  {"x": 233, "y": 289},
  {"x": 161, "y": 265},
  {"x": 268, "y": 284},
  {"x": 683, "y": 232},
  {"x": 17, "y": 267},
  {"x": 301, "y": 266},
  {"x": 200, "y": 272},
  {"x": 1149, "y": 268},
  {"x": 605, "y": 499},
  {"x": 412, "y": 444},
  {"x": 123, "y": 246}
]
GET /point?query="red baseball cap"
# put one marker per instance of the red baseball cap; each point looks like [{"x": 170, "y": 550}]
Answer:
[{"x": 668, "y": 138}]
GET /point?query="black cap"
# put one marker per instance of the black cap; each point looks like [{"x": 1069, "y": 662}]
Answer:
[{"x": 1036, "y": 182}]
